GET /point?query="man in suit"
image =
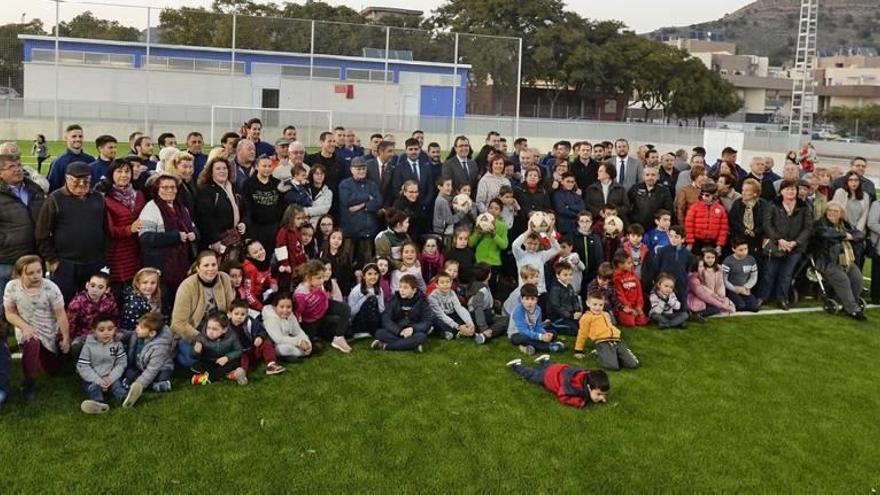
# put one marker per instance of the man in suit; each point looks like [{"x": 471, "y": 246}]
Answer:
[
  {"x": 459, "y": 168},
  {"x": 629, "y": 169},
  {"x": 380, "y": 169},
  {"x": 409, "y": 167}
]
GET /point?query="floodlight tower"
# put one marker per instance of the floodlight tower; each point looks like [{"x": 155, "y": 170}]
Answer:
[{"x": 803, "y": 97}]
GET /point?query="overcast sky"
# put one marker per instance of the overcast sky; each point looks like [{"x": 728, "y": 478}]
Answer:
[{"x": 641, "y": 15}]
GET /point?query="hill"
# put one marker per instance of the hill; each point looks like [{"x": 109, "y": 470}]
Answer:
[{"x": 769, "y": 28}]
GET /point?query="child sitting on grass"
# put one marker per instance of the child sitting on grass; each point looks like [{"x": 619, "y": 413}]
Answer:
[
  {"x": 666, "y": 310},
  {"x": 564, "y": 307},
  {"x": 481, "y": 306},
  {"x": 141, "y": 297},
  {"x": 318, "y": 314},
  {"x": 628, "y": 289},
  {"x": 603, "y": 284},
  {"x": 596, "y": 325},
  {"x": 740, "y": 273},
  {"x": 526, "y": 328},
  {"x": 406, "y": 320},
  {"x": 574, "y": 387},
  {"x": 255, "y": 342},
  {"x": 258, "y": 280},
  {"x": 451, "y": 319},
  {"x": 150, "y": 363},
  {"x": 291, "y": 342},
  {"x": 216, "y": 353},
  {"x": 707, "y": 295},
  {"x": 367, "y": 303},
  {"x": 408, "y": 265},
  {"x": 236, "y": 275},
  {"x": 96, "y": 299},
  {"x": 101, "y": 364}
]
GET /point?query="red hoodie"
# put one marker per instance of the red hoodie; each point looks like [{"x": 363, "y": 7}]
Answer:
[
  {"x": 628, "y": 289},
  {"x": 255, "y": 283},
  {"x": 296, "y": 254},
  {"x": 569, "y": 384}
]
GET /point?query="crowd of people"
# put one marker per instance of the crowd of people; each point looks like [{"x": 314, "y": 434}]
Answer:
[{"x": 132, "y": 263}]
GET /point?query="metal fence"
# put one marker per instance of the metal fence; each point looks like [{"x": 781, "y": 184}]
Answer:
[{"x": 491, "y": 63}]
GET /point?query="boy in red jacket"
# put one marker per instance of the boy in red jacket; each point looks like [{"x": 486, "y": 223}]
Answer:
[
  {"x": 706, "y": 222},
  {"x": 628, "y": 289},
  {"x": 574, "y": 387}
]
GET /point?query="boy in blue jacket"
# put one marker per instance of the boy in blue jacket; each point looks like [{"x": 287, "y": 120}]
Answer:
[
  {"x": 568, "y": 203},
  {"x": 676, "y": 260},
  {"x": 526, "y": 328},
  {"x": 407, "y": 319}
]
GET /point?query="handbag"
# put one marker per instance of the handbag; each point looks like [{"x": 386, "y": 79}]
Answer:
[
  {"x": 847, "y": 256},
  {"x": 231, "y": 239},
  {"x": 771, "y": 249}
]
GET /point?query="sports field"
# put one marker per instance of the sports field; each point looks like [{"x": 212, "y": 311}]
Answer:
[{"x": 777, "y": 403}]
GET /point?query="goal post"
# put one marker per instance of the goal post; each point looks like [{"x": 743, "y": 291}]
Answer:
[{"x": 309, "y": 123}]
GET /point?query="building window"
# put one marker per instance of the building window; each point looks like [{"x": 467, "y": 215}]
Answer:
[
  {"x": 317, "y": 72},
  {"x": 75, "y": 57},
  {"x": 369, "y": 75},
  {"x": 193, "y": 65}
]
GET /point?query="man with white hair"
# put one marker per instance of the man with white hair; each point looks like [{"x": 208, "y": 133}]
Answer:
[
  {"x": 758, "y": 171},
  {"x": 296, "y": 153},
  {"x": 243, "y": 161}
]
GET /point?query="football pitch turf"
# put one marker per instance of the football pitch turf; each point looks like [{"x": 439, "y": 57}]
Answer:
[{"x": 777, "y": 403}]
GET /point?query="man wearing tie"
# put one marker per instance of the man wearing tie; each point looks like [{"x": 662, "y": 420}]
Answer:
[
  {"x": 629, "y": 169},
  {"x": 460, "y": 168},
  {"x": 380, "y": 170},
  {"x": 409, "y": 167}
]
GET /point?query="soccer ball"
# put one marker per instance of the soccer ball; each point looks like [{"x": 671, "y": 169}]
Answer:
[
  {"x": 485, "y": 222},
  {"x": 613, "y": 225},
  {"x": 461, "y": 203},
  {"x": 539, "y": 222}
]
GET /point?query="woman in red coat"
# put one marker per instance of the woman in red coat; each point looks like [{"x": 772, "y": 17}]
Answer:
[{"x": 123, "y": 205}]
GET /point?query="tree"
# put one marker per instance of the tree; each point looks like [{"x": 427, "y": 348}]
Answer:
[
  {"x": 701, "y": 92},
  {"x": 86, "y": 25},
  {"x": 862, "y": 121},
  {"x": 11, "y": 65}
]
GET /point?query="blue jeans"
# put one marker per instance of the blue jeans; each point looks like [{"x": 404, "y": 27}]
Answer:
[
  {"x": 184, "y": 357},
  {"x": 780, "y": 272},
  {"x": 520, "y": 339},
  {"x": 533, "y": 375},
  {"x": 94, "y": 392},
  {"x": 5, "y": 277}
]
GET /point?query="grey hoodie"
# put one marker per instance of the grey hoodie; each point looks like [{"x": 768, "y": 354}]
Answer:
[
  {"x": 445, "y": 305},
  {"x": 155, "y": 356},
  {"x": 98, "y": 360}
]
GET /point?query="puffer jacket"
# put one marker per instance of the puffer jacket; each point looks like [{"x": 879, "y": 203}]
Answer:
[
  {"x": 154, "y": 356},
  {"x": 18, "y": 221},
  {"x": 707, "y": 223},
  {"x": 795, "y": 227},
  {"x": 567, "y": 205},
  {"x": 363, "y": 223}
]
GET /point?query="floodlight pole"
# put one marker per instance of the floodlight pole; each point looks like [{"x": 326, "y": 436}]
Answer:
[
  {"x": 311, "y": 76},
  {"x": 518, "y": 89},
  {"x": 231, "y": 73},
  {"x": 385, "y": 79},
  {"x": 57, "y": 47},
  {"x": 147, "y": 99},
  {"x": 454, "y": 90}
]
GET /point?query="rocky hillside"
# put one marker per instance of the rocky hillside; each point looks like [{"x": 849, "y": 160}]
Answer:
[{"x": 769, "y": 27}]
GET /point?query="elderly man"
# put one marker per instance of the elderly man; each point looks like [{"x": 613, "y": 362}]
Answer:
[
  {"x": 20, "y": 203},
  {"x": 791, "y": 171},
  {"x": 758, "y": 171},
  {"x": 243, "y": 161},
  {"x": 296, "y": 153},
  {"x": 646, "y": 197},
  {"x": 359, "y": 203},
  {"x": 70, "y": 231}
]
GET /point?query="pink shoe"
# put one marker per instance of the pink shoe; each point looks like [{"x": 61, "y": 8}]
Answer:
[{"x": 340, "y": 344}]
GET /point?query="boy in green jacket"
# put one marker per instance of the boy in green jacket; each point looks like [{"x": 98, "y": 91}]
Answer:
[{"x": 217, "y": 353}]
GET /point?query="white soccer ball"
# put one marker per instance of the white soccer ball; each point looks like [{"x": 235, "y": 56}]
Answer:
[
  {"x": 539, "y": 222},
  {"x": 485, "y": 222},
  {"x": 461, "y": 202},
  {"x": 613, "y": 225}
]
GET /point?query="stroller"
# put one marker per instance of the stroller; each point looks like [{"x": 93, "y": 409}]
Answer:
[{"x": 829, "y": 304}]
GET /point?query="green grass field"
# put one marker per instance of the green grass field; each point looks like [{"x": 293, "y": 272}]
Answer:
[{"x": 755, "y": 404}]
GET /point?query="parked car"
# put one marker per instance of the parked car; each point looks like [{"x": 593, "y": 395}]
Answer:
[{"x": 7, "y": 93}]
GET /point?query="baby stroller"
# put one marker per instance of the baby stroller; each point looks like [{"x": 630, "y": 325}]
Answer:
[{"x": 829, "y": 304}]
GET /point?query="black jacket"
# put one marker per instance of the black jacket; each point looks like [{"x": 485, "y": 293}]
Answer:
[
  {"x": 795, "y": 227},
  {"x": 735, "y": 217},
  {"x": 594, "y": 199},
  {"x": 401, "y": 313},
  {"x": 562, "y": 302},
  {"x": 18, "y": 222},
  {"x": 644, "y": 204},
  {"x": 827, "y": 242},
  {"x": 214, "y": 214}
]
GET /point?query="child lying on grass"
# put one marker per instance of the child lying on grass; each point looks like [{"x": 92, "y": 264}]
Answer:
[{"x": 574, "y": 387}]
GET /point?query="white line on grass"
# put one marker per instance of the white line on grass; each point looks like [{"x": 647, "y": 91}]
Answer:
[{"x": 782, "y": 312}]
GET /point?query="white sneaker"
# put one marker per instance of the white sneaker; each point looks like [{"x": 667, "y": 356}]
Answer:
[
  {"x": 528, "y": 350},
  {"x": 480, "y": 339},
  {"x": 360, "y": 336},
  {"x": 134, "y": 393},
  {"x": 93, "y": 407},
  {"x": 542, "y": 358},
  {"x": 513, "y": 362},
  {"x": 341, "y": 345}
]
